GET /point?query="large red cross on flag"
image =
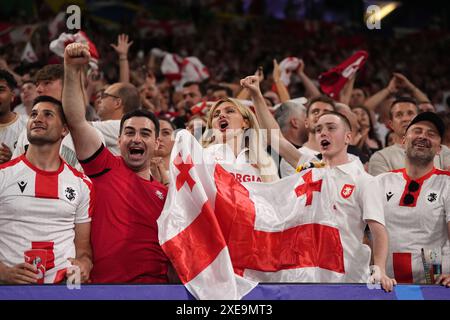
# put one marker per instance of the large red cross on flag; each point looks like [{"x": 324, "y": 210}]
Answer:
[{"x": 223, "y": 236}]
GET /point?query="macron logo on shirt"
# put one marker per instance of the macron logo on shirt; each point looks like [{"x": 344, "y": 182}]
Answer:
[{"x": 22, "y": 185}]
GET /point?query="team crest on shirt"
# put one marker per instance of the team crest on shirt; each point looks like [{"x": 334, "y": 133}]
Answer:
[
  {"x": 70, "y": 194},
  {"x": 347, "y": 190},
  {"x": 432, "y": 197},
  {"x": 159, "y": 194}
]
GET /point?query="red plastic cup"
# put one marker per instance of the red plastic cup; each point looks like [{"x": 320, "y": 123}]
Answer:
[{"x": 37, "y": 258}]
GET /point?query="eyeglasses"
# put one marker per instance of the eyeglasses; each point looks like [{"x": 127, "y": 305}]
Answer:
[
  {"x": 409, "y": 197},
  {"x": 104, "y": 95}
]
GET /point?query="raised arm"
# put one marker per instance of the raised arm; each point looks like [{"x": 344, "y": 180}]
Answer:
[
  {"x": 311, "y": 90},
  {"x": 346, "y": 92},
  {"x": 373, "y": 101},
  {"x": 416, "y": 92},
  {"x": 121, "y": 48},
  {"x": 267, "y": 121},
  {"x": 281, "y": 88},
  {"x": 244, "y": 94},
  {"x": 85, "y": 137}
]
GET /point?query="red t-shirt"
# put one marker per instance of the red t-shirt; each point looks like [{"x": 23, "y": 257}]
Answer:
[{"x": 124, "y": 233}]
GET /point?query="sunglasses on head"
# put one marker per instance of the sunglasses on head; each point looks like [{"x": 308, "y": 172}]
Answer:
[{"x": 409, "y": 197}]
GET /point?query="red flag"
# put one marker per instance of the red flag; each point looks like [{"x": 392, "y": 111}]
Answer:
[{"x": 332, "y": 81}]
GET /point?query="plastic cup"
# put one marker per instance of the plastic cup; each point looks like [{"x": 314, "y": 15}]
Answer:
[{"x": 37, "y": 258}]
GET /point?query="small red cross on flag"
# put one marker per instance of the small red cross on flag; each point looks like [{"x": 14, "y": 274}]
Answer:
[
  {"x": 184, "y": 168},
  {"x": 308, "y": 188}
]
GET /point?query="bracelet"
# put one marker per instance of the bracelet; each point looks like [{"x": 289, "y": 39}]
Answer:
[{"x": 123, "y": 59}]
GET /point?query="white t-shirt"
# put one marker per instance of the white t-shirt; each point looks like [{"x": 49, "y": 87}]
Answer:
[
  {"x": 39, "y": 210},
  {"x": 308, "y": 155},
  {"x": 238, "y": 166},
  {"x": 10, "y": 132},
  {"x": 356, "y": 202},
  {"x": 110, "y": 131},
  {"x": 421, "y": 224},
  {"x": 66, "y": 151},
  {"x": 21, "y": 110}
]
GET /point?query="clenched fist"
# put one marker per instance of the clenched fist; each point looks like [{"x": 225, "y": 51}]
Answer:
[
  {"x": 251, "y": 83},
  {"x": 76, "y": 54}
]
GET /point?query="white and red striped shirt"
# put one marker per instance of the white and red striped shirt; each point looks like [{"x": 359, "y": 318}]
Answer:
[
  {"x": 416, "y": 224},
  {"x": 39, "y": 210}
]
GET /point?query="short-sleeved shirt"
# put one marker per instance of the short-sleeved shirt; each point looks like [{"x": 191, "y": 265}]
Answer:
[
  {"x": 239, "y": 166},
  {"x": 66, "y": 151},
  {"x": 39, "y": 210},
  {"x": 307, "y": 154},
  {"x": 124, "y": 232},
  {"x": 110, "y": 131},
  {"x": 413, "y": 226},
  {"x": 10, "y": 132},
  {"x": 393, "y": 158},
  {"x": 356, "y": 202}
]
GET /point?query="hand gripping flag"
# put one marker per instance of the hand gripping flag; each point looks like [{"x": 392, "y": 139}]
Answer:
[
  {"x": 223, "y": 237},
  {"x": 332, "y": 81},
  {"x": 58, "y": 45},
  {"x": 287, "y": 66}
]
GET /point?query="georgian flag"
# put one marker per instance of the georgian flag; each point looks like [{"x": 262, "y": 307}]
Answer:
[
  {"x": 15, "y": 34},
  {"x": 223, "y": 236},
  {"x": 180, "y": 70},
  {"x": 28, "y": 54},
  {"x": 287, "y": 66},
  {"x": 332, "y": 81},
  {"x": 58, "y": 45}
]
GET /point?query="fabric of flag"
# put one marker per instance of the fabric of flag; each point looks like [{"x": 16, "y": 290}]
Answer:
[
  {"x": 28, "y": 54},
  {"x": 287, "y": 66},
  {"x": 332, "y": 81},
  {"x": 10, "y": 34},
  {"x": 56, "y": 24},
  {"x": 223, "y": 236},
  {"x": 180, "y": 70},
  {"x": 58, "y": 45}
]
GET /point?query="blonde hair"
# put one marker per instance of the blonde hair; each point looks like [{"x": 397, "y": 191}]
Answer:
[{"x": 252, "y": 139}]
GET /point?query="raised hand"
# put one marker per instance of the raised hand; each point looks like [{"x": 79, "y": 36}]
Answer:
[
  {"x": 122, "y": 45},
  {"x": 251, "y": 83},
  {"x": 393, "y": 85},
  {"x": 76, "y": 54},
  {"x": 402, "y": 81},
  {"x": 260, "y": 73},
  {"x": 301, "y": 67},
  {"x": 276, "y": 74}
]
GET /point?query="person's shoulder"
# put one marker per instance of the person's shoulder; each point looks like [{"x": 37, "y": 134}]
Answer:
[
  {"x": 444, "y": 173},
  {"x": 388, "y": 150},
  {"x": 11, "y": 163},
  {"x": 388, "y": 175}
]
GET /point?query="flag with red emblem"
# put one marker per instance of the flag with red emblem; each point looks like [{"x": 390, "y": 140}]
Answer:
[
  {"x": 333, "y": 81},
  {"x": 224, "y": 236}
]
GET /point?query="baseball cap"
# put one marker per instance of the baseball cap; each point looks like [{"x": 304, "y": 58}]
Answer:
[{"x": 431, "y": 117}]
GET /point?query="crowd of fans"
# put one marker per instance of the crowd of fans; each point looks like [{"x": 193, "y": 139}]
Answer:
[{"x": 403, "y": 76}]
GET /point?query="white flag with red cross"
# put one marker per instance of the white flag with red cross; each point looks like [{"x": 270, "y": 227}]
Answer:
[{"x": 223, "y": 236}]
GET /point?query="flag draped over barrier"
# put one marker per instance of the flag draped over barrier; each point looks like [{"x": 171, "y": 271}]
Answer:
[{"x": 223, "y": 236}]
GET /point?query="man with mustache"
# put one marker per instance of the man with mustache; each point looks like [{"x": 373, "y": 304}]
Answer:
[
  {"x": 417, "y": 202},
  {"x": 402, "y": 111},
  {"x": 129, "y": 201}
]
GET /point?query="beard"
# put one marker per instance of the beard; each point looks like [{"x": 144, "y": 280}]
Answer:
[
  {"x": 418, "y": 157},
  {"x": 41, "y": 140}
]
